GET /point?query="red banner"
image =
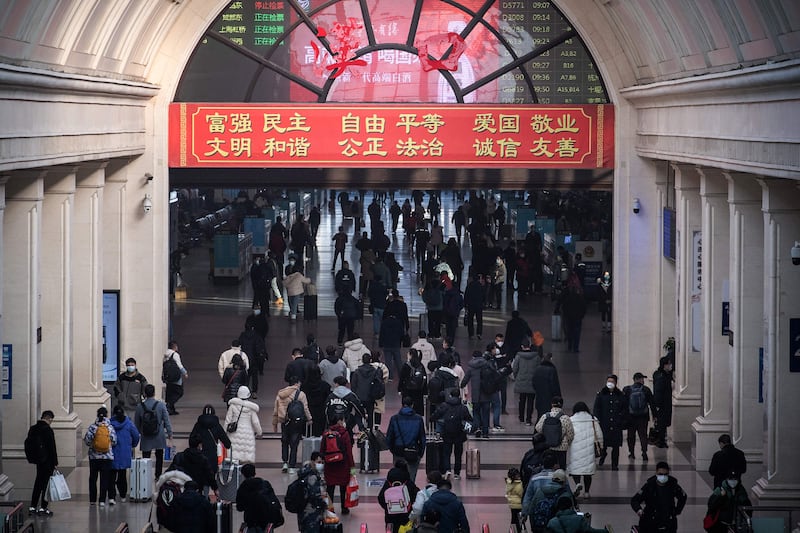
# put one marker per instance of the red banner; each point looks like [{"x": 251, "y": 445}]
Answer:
[{"x": 371, "y": 135}]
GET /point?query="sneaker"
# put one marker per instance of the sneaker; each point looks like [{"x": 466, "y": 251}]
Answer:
[
  {"x": 285, "y": 468},
  {"x": 31, "y": 510},
  {"x": 102, "y": 504},
  {"x": 644, "y": 456},
  {"x": 456, "y": 476},
  {"x": 92, "y": 504},
  {"x": 631, "y": 456},
  {"x": 499, "y": 429},
  {"x": 494, "y": 430},
  {"x": 292, "y": 471},
  {"x": 123, "y": 499},
  {"x": 44, "y": 512},
  {"x": 478, "y": 434},
  {"x": 448, "y": 474},
  {"x": 112, "y": 501},
  {"x": 485, "y": 436},
  {"x": 528, "y": 423}
]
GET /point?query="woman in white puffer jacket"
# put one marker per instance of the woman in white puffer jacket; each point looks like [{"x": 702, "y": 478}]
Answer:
[
  {"x": 245, "y": 413},
  {"x": 580, "y": 457}
]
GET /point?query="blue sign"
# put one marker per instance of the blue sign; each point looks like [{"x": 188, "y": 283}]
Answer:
[
  {"x": 5, "y": 386},
  {"x": 110, "y": 335}
]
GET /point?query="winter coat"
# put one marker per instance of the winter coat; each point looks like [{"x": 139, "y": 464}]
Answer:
[
  {"x": 89, "y": 437},
  {"x": 210, "y": 431},
  {"x": 170, "y": 353},
  {"x": 611, "y": 409},
  {"x": 662, "y": 395},
  {"x": 251, "y": 500},
  {"x": 127, "y": 439},
  {"x": 569, "y": 521},
  {"x": 726, "y": 500},
  {"x": 473, "y": 377},
  {"x": 419, "y": 501},
  {"x": 196, "y": 464},
  {"x": 330, "y": 367},
  {"x": 42, "y": 431},
  {"x": 129, "y": 391},
  {"x": 547, "y": 490},
  {"x": 194, "y": 513},
  {"x": 243, "y": 440},
  {"x": 355, "y": 409},
  {"x": 175, "y": 476},
  {"x": 514, "y": 493},
  {"x": 397, "y": 476},
  {"x": 567, "y": 432},
  {"x": 580, "y": 459},
  {"x": 294, "y": 283},
  {"x": 159, "y": 440},
  {"x": 226, "y": 357},
  {"x": 451, "y": 510},
  {"x": 648, "y": 394},
  {"x": 453, "y": 405},
  {"x": 299, "y": 367},
  {"x": 346, "y": 306},
  {"x": 253, "y": 343},
  {"x": 317, "y": 392},
  {"x": 392, "y": 331},
  {"x": 380, "y": 405},
  {"x": 353, "y": 350},
  {"x": 546, "y": 385},
  {"x": 286, "y": 395},
  {"x": 426, "y": 351},
  {"x": 232, "y": 379},
  {"x": 655, "y": 515},
  {"x": 406, "y": 371},
  {"x": 316, "y": 505},
  {"x": 517, "y": 329},
  {"x": 433, "y": 298},
  {"x": 524, "y": 365},
  {"x": 339, "y": 473},
  {"x": 406, "y": 429},
  {"x": 441, "y": 381},
  {"x": 728, "y": 459},
  {"x": 360, "y": 381},
  {"x": 474, "y": 296}
]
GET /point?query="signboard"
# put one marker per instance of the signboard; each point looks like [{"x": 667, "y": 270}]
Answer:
[
  {"x": 441, "y": 136},
  {"x": 110, "y": 335},
  {"x": 668, "y": 236},
  {"x": 696, "y": 281},
  {"x": 5, "y": 384},
  {"x": 794, "y": 345}
]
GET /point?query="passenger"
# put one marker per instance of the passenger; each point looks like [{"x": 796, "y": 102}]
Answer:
[
  {"x": 567, "y": 520},
  {"x": 317, "y": 392},
  {"x": 453, "y": 417},
  {"x": 193, "y": 462},
  {"x": 127, "y": 440},
  {"x": 663, "y": 501},
  {"x": 256, "y": 498},
  {"x": 129, "y": 387},
  {"x": 174, "y": 387},
  {"x": 523, "y": 367},
  {"x": 567, "y": 433},
  {"x": 235, "y": 376},
  {"x": 611, "y": 409},
  {"x": 226, "y": 357},
  {"x": 406, "y": 436},
  {"x": 291, "y": 429},
  {"x": 640, "y": 402},
  {"x": 354, "y": 350},
  {"x": 210, "y": 431},
  {"x": 100, "y": 437},
  {"x": 45, "y": 456},
  {"x": 397, "y": 476},
  {"x": 245, "y": 414},
  {"x": 453, "y": 516},
  {"x": 193, "y": 512},
  {"x": 414, "y": 381},
  {"x": 514, "y": 493},
  {"x": 337, "y": 471},
  {"x": 434, "y": 477},
  {"x": 581, "y": 457},
  {"x": 152, "y": 421},
  {"x": 310, "y": 519},
  {"x": 332, "y": 366},
  {"x": 725, "y": 503}
]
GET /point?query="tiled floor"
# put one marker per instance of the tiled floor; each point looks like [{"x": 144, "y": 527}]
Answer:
[{"x": 204, "y": 324}]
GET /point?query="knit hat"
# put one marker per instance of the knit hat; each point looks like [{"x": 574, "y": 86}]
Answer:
[{"x": 243, "y": 393}]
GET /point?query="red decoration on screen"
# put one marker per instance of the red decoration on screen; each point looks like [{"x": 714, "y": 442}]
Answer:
[
  {"x": 439, "y": 44},
  {"x": 321, "y": 32},
  {"x": 344, "y": 43}
]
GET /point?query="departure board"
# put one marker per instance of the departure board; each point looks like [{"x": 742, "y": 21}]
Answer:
[{"x": 564, "y": 74}]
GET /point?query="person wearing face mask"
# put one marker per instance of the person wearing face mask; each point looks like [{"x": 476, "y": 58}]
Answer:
[
  {"x": 129, "y": 388},
  {"x": 611, "y": 409},
  {"x": 662, "y": 400},
  {"x": 498, "y": 283},
  {"x": 725, "y": 502},
  {"x": 729, "y": 458},
  {"x": 309, "y": 520},
  {"x": 663, "y": 500}
]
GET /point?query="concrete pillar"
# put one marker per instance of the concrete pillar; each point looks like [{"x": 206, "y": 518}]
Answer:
[
  {"x": 715, "y": 417},
  {"x": 5, "y": 482},
  {"x": 780, "y": 480},
  {"x": 746, "y": 310},
  {"x": 24, "y": 192},
  {"x": 686, "y": 395},
  {"x": 88, "y": 292},
  {"x": 57, "y": 309}
]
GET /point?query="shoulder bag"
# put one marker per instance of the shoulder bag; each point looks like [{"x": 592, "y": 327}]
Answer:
[
  {"x": 409, "y": 453},
  {"x": 233, "y": 426},
  {"x": 598, "y": 449}
]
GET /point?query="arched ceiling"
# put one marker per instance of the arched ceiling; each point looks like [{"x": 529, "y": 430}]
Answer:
[{"x": 656, "y": 40}]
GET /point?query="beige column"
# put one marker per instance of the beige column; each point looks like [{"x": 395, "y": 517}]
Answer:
[
  {"x": 780, "y": 480},
  {"x": 88, "y": 292},
  {"x": 746, "y": 310},
  {"x": 57, "y": 309},
  {"x": 24, "y": 192},
  {"x": 5, "y": 482},
  {"x": 686, "y": 395},
  {"x": 715, "y": 417}
]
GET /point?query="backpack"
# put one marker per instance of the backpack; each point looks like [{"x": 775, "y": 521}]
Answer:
[
  {"x": 551, "y": 429},
  {"x": 455, "y": 304},
  {"x": 273, "y": 504},
  {"x": 101, "y": 442},
  {"x": 377, "y": 389},
  {"x": 35, "y": 452},
  {"x": 170, "y": 372},
  {"x": 453, "y": 421},
  {"x": 490, "y": 379},
  {"x": 165, "y": 504},
  {"x": 313, "y": 352},
  {"x": 295, "y": 412},
  {"x": 637, "y": 402},
  {"x": 397, "y": 499},
  {"x": 149, "y": 420},
  {"x": 545, "y": 509},
  {"x": 296, "y": 496},
  {"x": 417, "y": 381},
  {"x": 331, "y": 447}
]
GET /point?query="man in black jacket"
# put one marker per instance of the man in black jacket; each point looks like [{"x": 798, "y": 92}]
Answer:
[
  {"x": 640, "y": 402},
  {"x": 193, "y": 462},
  {"x": 256, "y": 499},
  {"x": 299, "y": 367},
  {"x": 346, "y": 309},
  {"x": 361, "y": 381},
  {"x": 663, "y": 501},
  {"x": 253, "y": 345},
  {"x": 728, "y": 459},
  {"x": 662, "y": 400},
  {"x": 193, "y": 512},
  {"x": 40, "y": 449}
]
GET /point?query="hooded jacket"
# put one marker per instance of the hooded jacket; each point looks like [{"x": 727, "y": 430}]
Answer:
[
  {"x": 514, "y": 493},
  {"x": 524, "y": 365},
  {"x": 473, "y": 377},
  {"x": 546, "y": 385},
  {"x": 426, "y": 351},
  {"x": 294, "y": 283},
  {"x": 406, "y": 429},
  {"x": 580, "y": 459},
  {"x": 353, "y": 350},
  {"x": 361, "y": 380},
  {"x": 193, "y": 462},
  {"x": 243, "y": 440},
  {"x": 332, "y": 366},
  {"x": 451, "y": 510},
  {"x": 341, "y": 395},
  {"x": 286, "y": 395},
  {"x": 454, "y": 406},
  {"x": 159, "y": 440},
  {"x": 127, "y": 439},
  {"x": 252, "y": 499},
  {"x": 210, "y": 430},
  {"x": 175, "y": 476},
  {"x": 89, "y": 438}
]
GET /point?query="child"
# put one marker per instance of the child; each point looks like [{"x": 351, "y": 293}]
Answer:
[{"x": 514, "y": 493}]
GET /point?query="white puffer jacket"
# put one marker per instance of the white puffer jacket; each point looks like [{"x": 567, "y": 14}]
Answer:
[
  {"x": 580, "y": 458},
  {"x": 353, "y": 350},
  {"x": 243, "y": 441}
]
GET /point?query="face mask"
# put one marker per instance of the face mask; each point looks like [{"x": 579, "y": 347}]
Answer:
[
  {"x": 732, "y": 483},
  {"x": 131, "y": 369},
  {"x": 320, "y": 467},
  {"x": 611, "y": 384},
  {"x": 661, "y": 478},
  {"x": 291, "y": 262},
  {"x": 499, "y": 344},
  {"x": 256, "y": 312}
]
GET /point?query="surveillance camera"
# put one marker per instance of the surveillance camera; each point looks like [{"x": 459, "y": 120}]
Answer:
[
  {"x": 147, "y": 204},
  {"x": 796, "y": 253},
  {"x": 637, "y": 206}
]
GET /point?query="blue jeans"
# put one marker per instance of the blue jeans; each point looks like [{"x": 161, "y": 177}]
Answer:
[
  {"x": 480, "y": 410},
  {"x": 294, "y": 301},
  {"x": 377, "y": 318},
  {"x": 496, "y": 408}
]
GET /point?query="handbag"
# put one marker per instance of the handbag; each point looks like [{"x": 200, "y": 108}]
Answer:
[
  {"x": 233, "y": 426},
  {"x": 57, "y": 488},
  {"x": 598, "y": 449},
  {"x": 351, "y": 494},
  {"x": 377, "y": 438},
  {"x": 710, "y": 520}
]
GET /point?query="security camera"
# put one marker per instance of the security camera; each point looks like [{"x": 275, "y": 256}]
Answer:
[
  {"x": 147, "y": 204},
  {"x": 796, "y": 253},
  {"x": 637, "y": 206}
]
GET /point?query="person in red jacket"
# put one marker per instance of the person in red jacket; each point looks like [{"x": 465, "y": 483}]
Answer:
[{"x": 337, "y": 450}]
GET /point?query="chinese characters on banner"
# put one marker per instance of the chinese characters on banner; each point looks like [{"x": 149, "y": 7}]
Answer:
[{"x": 444, "y": 136}]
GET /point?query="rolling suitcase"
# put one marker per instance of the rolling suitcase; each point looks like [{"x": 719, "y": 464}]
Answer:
[
  {"x": 310, "y": 306},
  {"x": 555, "y": 327},
  {"x": 308, "y": 445},
  {"x": 224, "y": 512},
  {"x": 143, "y": 473},
  {"x": 229, "y": 478},
  {"x": 433, "y": 456},
  {"x": 473, "y": 463}
]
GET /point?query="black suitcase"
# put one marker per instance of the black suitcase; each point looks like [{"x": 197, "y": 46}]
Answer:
[
  {"x": 310, "y": 306},
  {"x": 433, "y": 456},
  {"x": 224, "y": 511}
]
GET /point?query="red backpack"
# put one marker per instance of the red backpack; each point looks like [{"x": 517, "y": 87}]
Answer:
[{"x": 331, "y": 446}]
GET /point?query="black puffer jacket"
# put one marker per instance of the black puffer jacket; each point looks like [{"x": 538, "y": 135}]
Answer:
[
  {"x": 210, "y": 431},
  {"x": 192, "y": 462},
  {"x": 233, "y": 378},
  {"x": 611, "y": 409}
]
